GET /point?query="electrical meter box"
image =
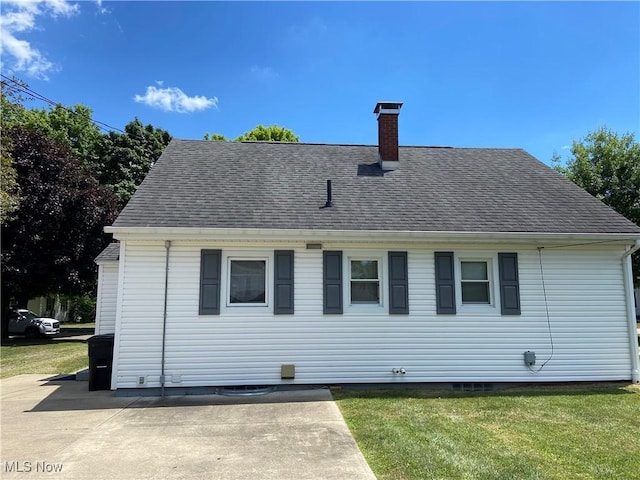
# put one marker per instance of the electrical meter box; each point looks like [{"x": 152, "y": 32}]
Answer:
[{"x": 529, "y": 358}]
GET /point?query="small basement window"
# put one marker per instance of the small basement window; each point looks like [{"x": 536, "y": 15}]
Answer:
[
  {"x": 364, "y": 281},
  {"x": 474, "y": 280},
  {"x": 247, "y": 282}
]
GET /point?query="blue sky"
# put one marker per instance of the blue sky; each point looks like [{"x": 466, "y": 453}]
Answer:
[{"x": 470, "y": 74}]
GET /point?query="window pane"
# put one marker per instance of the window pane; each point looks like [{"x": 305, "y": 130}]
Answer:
[
  {"x": 474, "y": 270},
  {"x": 365, "y": 292},
  {"x": 364, "y": 269},
  {"x": 475, "y": 292},
  {"x": 247, "y": 281}
]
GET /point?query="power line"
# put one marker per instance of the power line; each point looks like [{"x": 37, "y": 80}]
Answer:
[{"x": 21, "y": 87}]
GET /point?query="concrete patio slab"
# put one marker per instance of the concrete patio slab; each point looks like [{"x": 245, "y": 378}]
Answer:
[{"x": 57, "y": 429}]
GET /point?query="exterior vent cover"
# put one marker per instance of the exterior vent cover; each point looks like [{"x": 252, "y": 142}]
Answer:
[{"x": 472, "y": 387}]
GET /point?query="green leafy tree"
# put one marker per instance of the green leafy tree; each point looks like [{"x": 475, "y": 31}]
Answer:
[
  {"x": 125, "y": 158},
  {"x": 49, "y": 245},
  {"x": 607, "y": 166},
  {"x": 216, "y": 137},
  {"x": 118, "y": 160},
  {"x": 272, "y": 133},
  {"x": 10, "y": 112},
  {"x": 72, "y": 126},
  {"x": 9, "y": 194}
]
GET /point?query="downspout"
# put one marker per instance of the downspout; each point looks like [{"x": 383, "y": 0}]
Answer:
[
  {"x": 167, "y": 246},
  {"x": 633, "y": 333}
]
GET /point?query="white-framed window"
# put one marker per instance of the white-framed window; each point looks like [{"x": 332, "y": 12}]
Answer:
[
  {"x": 475, "y": 284},
  {"x": 365, "y": 281},
  {"x": 476, "y": 279},
  {"x": 247, "y": 281}
]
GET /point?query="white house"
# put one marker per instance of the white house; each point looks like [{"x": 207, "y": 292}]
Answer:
[
  {"x": 261, "y": 263},
  {"x": 107, "y": 289}
]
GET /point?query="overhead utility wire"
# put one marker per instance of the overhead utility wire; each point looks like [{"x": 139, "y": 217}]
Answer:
[
  {"x": 599, "y": 242},
  {"x": 21, "y": 88}
]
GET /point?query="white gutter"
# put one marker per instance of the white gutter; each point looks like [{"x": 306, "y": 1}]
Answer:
[
  {"x": 631, "y": 308},
  {"x": 265, "y": 234}
]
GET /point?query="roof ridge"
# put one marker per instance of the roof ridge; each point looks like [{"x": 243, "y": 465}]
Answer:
[{"x": 324, "y": 144}]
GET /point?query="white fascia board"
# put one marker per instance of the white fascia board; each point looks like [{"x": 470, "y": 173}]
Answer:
[
  {"x": 367, "y": 236},
  {"x": 109, "y": 261}
]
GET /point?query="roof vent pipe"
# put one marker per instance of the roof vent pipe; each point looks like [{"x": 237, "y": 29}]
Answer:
[{"x": 329, "y": 203}]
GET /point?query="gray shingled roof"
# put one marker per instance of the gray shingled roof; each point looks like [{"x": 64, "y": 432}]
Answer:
[
  {"x": 110, "y": 254},
  {"x": 283, "y": 185}
]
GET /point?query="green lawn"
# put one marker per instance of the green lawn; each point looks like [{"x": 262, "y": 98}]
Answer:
[
  {"x": 47, "y": 356},
  {"x": 74, "y": 327},
  {"x": 546, "y": 432}
]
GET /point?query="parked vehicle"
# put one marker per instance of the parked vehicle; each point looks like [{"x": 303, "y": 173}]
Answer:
[{"x": 25, "y": 322}]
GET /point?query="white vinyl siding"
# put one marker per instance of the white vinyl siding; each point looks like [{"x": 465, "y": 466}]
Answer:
[
  {"x": 585, "y": 296},
  {"x": 106, "y": 298}
]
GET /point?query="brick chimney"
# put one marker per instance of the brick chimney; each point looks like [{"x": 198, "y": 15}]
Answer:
[{"x": 388, "y": 134}]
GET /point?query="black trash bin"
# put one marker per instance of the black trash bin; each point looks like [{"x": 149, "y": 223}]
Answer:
[{"x": 100, "y": 361}]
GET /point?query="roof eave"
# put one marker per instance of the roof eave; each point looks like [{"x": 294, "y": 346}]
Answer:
[{"x": 368, "y": 236}]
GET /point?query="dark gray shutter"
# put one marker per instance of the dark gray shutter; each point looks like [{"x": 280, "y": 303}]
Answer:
[
  {"x": 445, "y": 283},
  {"x": 283, "y": 281},
  {"x": 398, "y": 283},
  {"x": 332, "y": 281},
  {"x": 509, "y": 283},
  {"x": 210, "y": 282}
]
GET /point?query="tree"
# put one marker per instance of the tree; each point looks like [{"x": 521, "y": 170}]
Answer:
[
  {"x": 9, "y": 195},
  {"x": 119, "y": 160},
  {"x": 57, "y": 231},
  {"x": 127, "y": 157},
  {"x": 72, "y": 126},
  {"x": 10, "y": 111},
  {"x": 608, "y": 167},
  {"x": 272, "y": 133},
  {"x": 216, "y": 137}
]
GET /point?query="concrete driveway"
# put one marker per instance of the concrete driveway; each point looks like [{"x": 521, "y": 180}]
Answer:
[{"x": 54, "y": 428}]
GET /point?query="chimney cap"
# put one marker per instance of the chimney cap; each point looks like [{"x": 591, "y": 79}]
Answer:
[{"x": 387, "y": 106}]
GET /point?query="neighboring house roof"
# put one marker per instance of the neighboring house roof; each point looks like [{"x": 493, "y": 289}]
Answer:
[
  {"x": 207, "y": 184},
  {"x": 110, "y": 254}
]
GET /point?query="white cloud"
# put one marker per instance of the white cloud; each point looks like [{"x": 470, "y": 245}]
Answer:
[
  {"x": 18, "y": 18},
  {"x": 59, "y": 7},
  {"x": 264, "y": 73},
  {"x": 102, "y": 10},
  {"x": 172, "y": 99}
]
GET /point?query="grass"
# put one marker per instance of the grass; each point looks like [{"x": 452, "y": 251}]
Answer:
[
  {"x": 46, "y": 356},
  {"x": 75, "y": 327},
  {"x": 580, "y": 431}
]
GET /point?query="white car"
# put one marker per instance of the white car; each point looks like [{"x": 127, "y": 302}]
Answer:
[{"x": 25, "y": 322}]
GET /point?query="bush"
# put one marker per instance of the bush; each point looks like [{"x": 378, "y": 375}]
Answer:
[{"x": 82, "y": 308}]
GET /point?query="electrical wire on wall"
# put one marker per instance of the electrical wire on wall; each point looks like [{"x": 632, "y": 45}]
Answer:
[
  {"x": 544, "y": 290},
  {"x": 546, "y": 306}
]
